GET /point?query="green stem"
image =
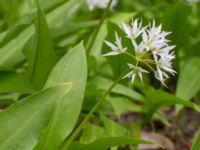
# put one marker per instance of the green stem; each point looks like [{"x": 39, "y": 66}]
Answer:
[
  {"x": 129, "y": 54},
  {"x": 98, "y": 27},
  {"x": 144, "y": 61},
  {"x": 94, "y": 108},
  {"x": 149, "y": 61},
  {"x": 149, "y": 66},
  {"x": 152, "y": 125}
]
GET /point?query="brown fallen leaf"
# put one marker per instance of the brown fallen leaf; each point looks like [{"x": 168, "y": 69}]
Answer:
[{"x": 157, "y": 138}]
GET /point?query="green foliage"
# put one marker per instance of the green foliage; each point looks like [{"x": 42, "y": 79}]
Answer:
[
  {"x": 103, "y": 83},
  {"x": 53, "y": 75},
  {"x": 121, "y": 105},
  {"x": 68, "y": 108},
  {"x": 24, "y": 121},
  {"x": 196, "y": 144},
  {"x": 11, "y": 81},
  {"x": 189, "y": 79},
  {"x": 104, "y": 143},
  {"x": 41, "y": 56},
  {"x": 157, "y": 99}
]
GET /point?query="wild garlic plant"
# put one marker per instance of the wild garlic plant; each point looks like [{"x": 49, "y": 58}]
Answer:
[
  {"x": 150, "y": 48},
  {"x": 101, "y": 4},
  {"x": 153, "y": 51}
]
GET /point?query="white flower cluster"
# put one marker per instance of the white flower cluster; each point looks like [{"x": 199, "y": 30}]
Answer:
[
  {"x": 150, "y": 49},
  {"x": 102, "y": 4}
]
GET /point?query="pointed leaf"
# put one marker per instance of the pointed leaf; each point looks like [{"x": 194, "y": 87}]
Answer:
[
  {"x": 91, "y": 133},
  {"x": 189, "y": 79},
  {"x": 122, "y": 105},
  {"x": 22, "y": 123},
  {"x": 41, "y": 58},
  {"x": 113, "y": 128},
  {"x": 105, "y": 143},
  {"x": 157, "y": 99},
  {"x": 72, "y": 67},
  {"x": 196, "y": 144},
  {"x": 11, "y": 81},
  {"x": 103, "y": 83},
  {"x": 10, "y": 52}
]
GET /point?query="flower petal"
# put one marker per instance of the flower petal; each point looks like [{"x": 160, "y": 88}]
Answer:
[
  {"x": 111, "y": 53},
  {"x": 111, "y": 45}
]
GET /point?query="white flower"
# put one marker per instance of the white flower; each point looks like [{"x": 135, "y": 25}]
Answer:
[
  {"x": 154, "y": 37},
  {"x": 140, "y": 49},
  {"x": 134, "y": 30},
  {"x": 163, "y": 66},
  {"x": 102, "y": 4},
  {"x": 136, "y": 71},
  {"x": 116, "y": 48},
  {"x": 153, "y": 50},
  {"x": 163, "y": 52}
]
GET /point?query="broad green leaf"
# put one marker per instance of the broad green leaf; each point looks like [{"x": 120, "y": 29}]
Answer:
[
  {"x": 64, "y": 11},
  {"x": 10, "y": 53},
  {"x": 71, "y": 68},
  {"x": 121, "y": 105},
  {"x": 175, "y": 19},
  {"x": 70, "y": 28},
  {"x": 189, "y": 79},
  {"x": 92, "y": 133},
  {"x": 105, "y": 143},
  {"x": 22, "y": 123},
  {"x": 122, "y": 16},
  {"x": 156, "y": 99},
  {"x": 196, "y": 143},
  {"x": 41, "y": 56},
  {"x": 104, "y": 84},
  {"x": 11, "y": 81},
  {"x": 49, "y": 4},
  {"x": 113, "y": 129},
  {"x": 13, "y": 32}
]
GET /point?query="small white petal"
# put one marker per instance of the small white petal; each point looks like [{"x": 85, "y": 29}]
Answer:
[
  {"x": 134, "y": 44},
  {"x": 112, "y": 46},
  {"x": 160, "y": 76},
  {"x": 113, "y": 53},
  {"x": 143, "y": 70},
  {"x": 133, "y": 78},
  {"x": 140, "y": 75},
  {"x": 128, "y": 75},
  {"x": 118, "y": 40},
  {"x": 169, "y": 70},
  {"x": 126, "y": 29},
  {"x": 144, "y": 37},
  {"x": 168, "y": 48},
  {"x": 130, "y": 65}
]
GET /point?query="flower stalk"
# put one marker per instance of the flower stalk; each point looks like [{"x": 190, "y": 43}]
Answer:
[
  {"x": 88, "y": 116},
  {"x": 89, "y": 47}
]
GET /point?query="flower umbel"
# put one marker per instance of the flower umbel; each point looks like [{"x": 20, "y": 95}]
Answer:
[{"x": 150, "y": 47}]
